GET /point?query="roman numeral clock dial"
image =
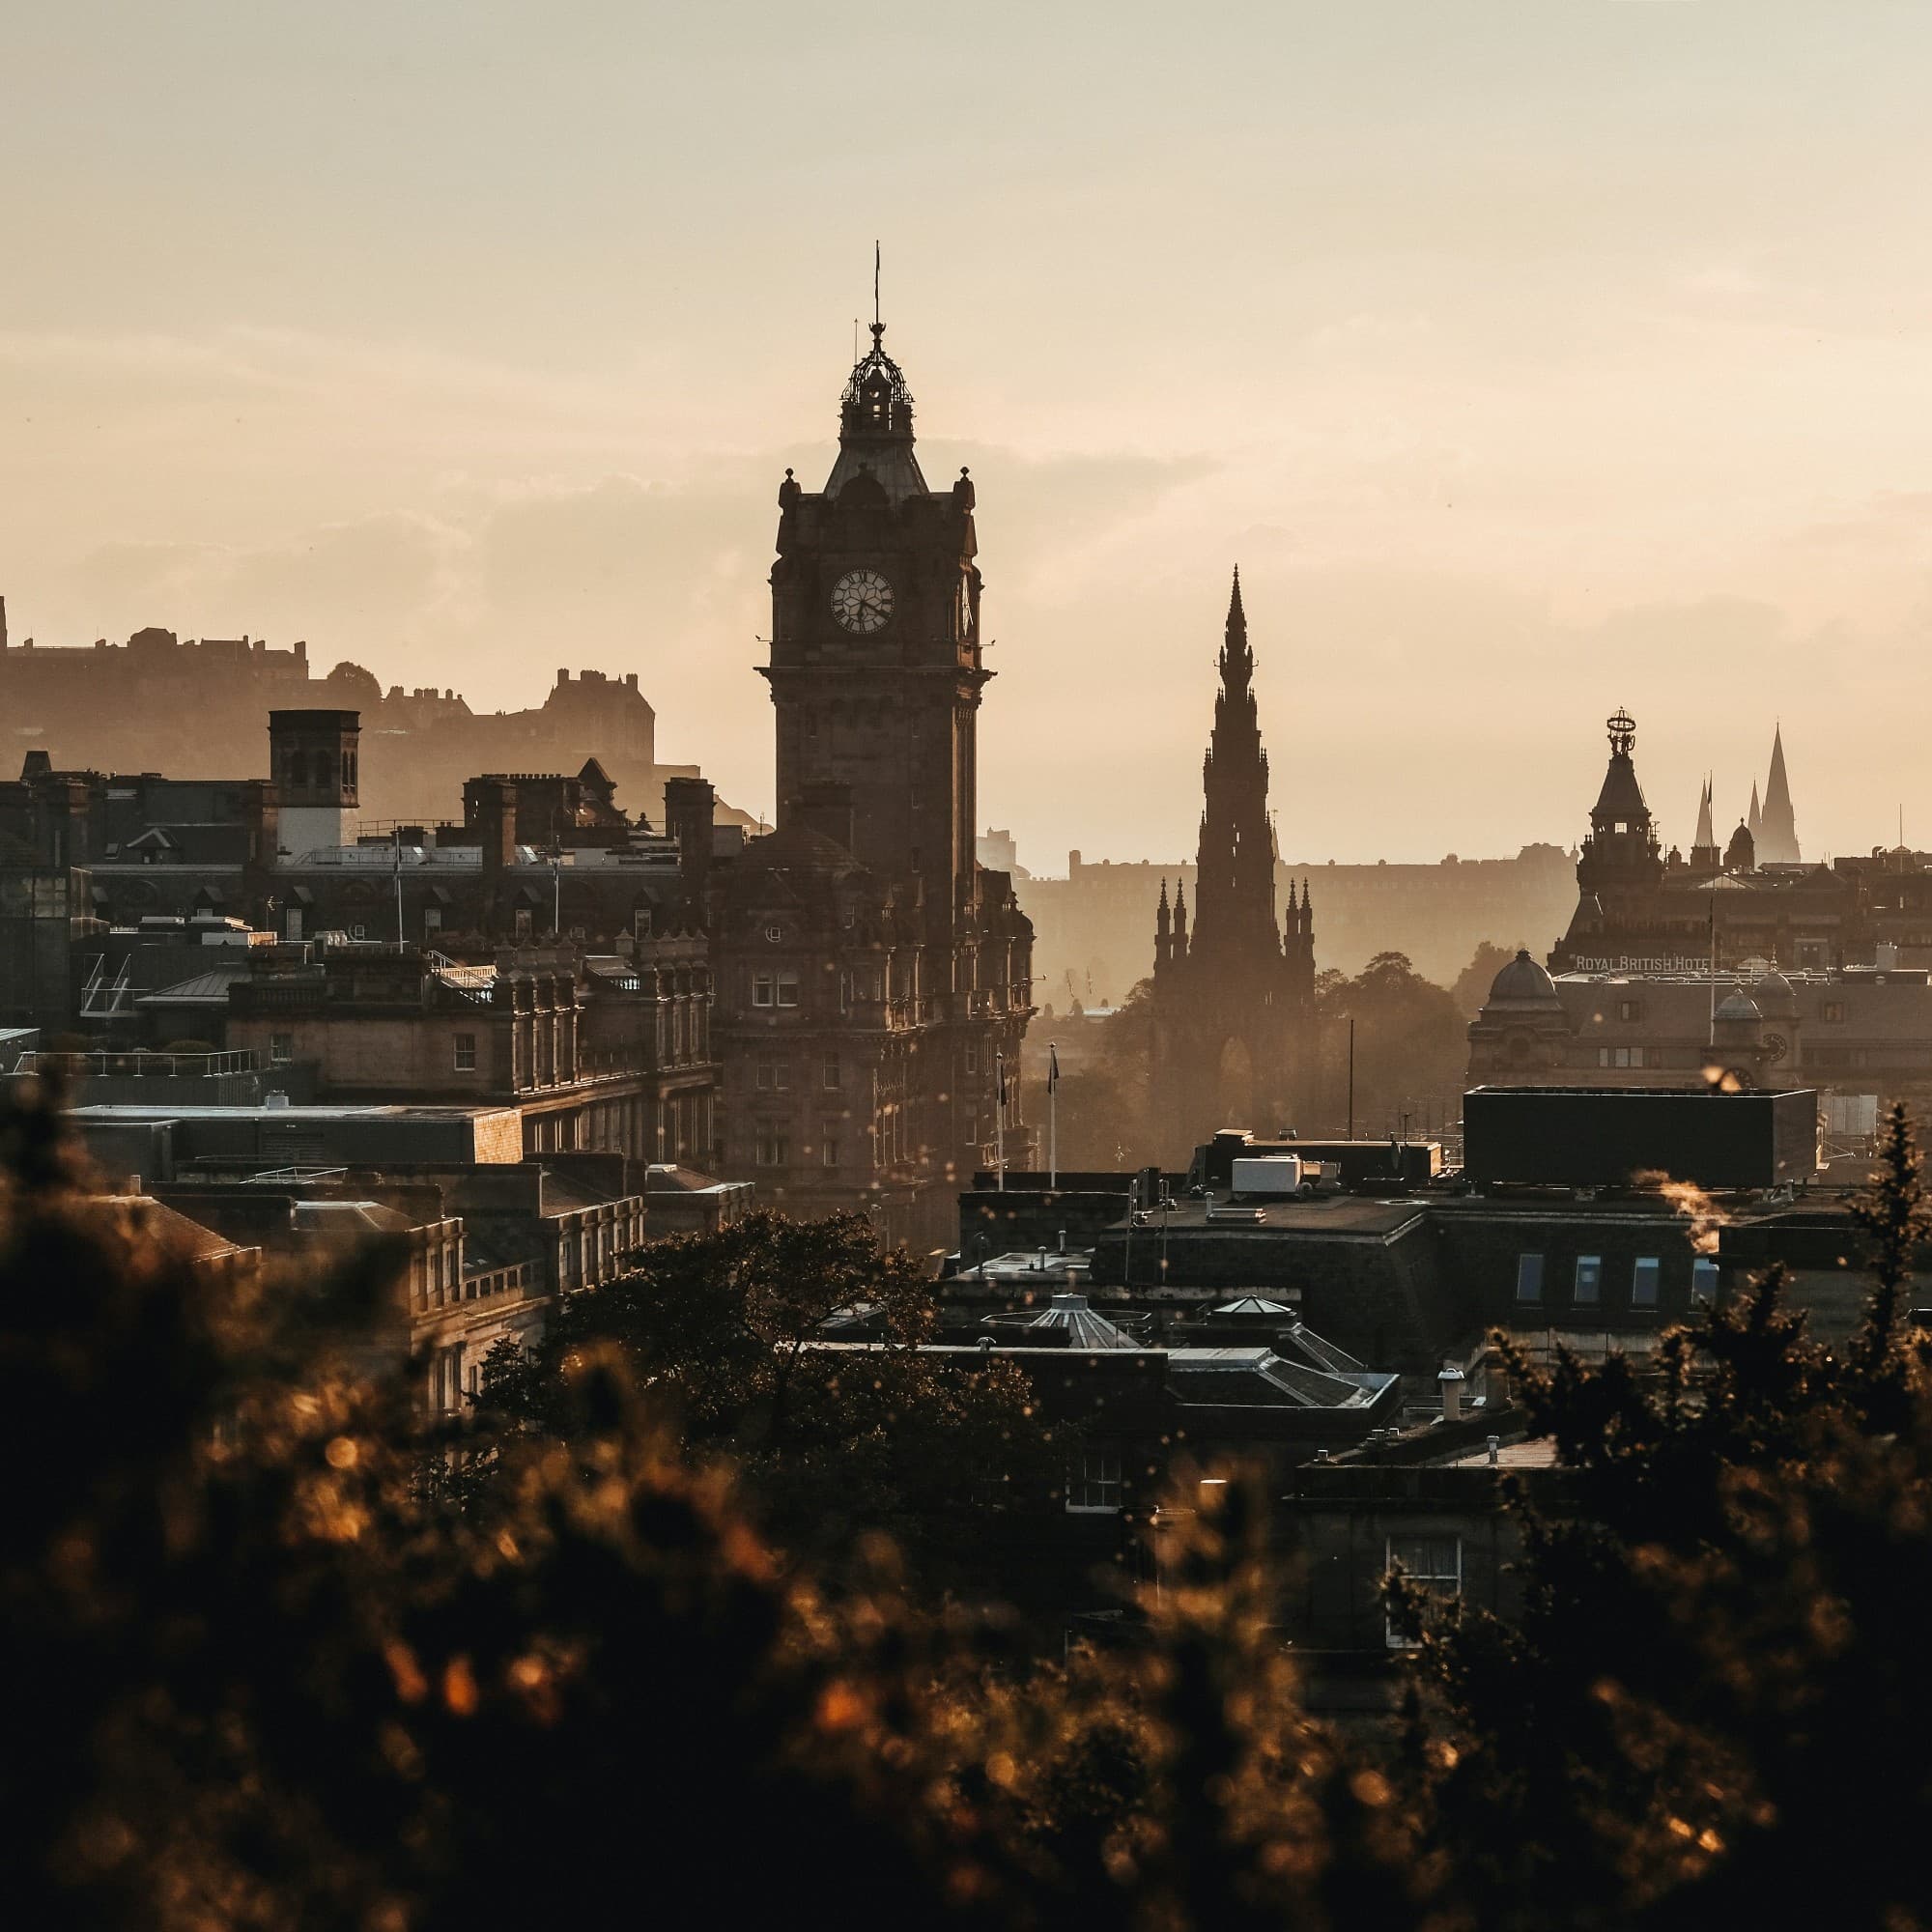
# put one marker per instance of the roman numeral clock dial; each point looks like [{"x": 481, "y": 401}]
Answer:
[{"x": 861, "y": 600}]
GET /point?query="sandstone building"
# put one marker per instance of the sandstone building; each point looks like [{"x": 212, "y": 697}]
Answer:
[
  {"x": 872, "y": 978},
  {"x": 1233, "y": 998}
]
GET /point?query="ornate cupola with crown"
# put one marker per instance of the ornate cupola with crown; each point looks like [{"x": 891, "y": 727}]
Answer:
[
  {"x": 1620, "y": 866},
  {"x": 1622, "y": 848},
  {"x": 1233, "y": 998},
  {"x": 876, "y": 679}
]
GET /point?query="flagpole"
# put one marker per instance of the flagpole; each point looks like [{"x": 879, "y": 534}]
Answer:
[
  {"x": 1713, "y": 969},
  {"x": 400, "y": 934},
  {"x": 1052, "y": 1115},
  {"x": 1000, "y": 1125}
]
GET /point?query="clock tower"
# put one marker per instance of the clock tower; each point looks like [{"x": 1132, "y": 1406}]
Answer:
[
  {"x": 873, "y": 979},
  {"x": 875, "y": 669}
]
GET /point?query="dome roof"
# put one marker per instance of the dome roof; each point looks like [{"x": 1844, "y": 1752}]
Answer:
[
  {"x": 1775, "y": 996},
  {"x": 1740, "y": 1005},
  {"x": 1524, "y": 984},
  {"x": 1084, "y": 1329}
]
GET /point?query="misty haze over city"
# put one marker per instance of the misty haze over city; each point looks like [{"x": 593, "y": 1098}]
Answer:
[
  {"x": 1528, "y": 359},
  {"x": 966, "y": 968}
]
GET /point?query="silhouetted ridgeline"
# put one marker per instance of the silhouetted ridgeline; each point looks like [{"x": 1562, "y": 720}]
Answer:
[
  {"x": 1093, "y": 929},
  {"x": 156, "y": 703}
]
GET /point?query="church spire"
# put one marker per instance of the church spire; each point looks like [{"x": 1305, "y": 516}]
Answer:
[
  {"x": 1704, "y": 847},
  {"x": 1778, "y": 830},
  {"x": 1235, "y": 880},
  {"x": 1237, "y": 658}
]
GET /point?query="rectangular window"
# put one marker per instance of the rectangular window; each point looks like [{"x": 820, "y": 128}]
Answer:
[
  {"x": 771, "y": 1148},
  {"x": 281, "y": 1048},
  {"x": 359, "y": 933},
  {"x": 1620, "y": 1056},
  {"x": 1831, "y": 1009},
  {"x": 761, "y": 989},
  {"x": 1643, "y": 1281},
  {"x": 1589, "y": 1279},
  {"x": 521, "y": 922},
  {"x": 431, "y": 919},
  {"x": 1434, "y": 1563},
  {"x": 788, "y": 989},
  {"x": 832, "y": 1076},
  {"x": 446, "y": 1380},
  {"x": 774, "y": 1073},
  {"x": 1093, "y": 1484},
  {"x": 972, "y": 1056},
  {"x": 1529, "y": 1277},
  {"x": 466, "y": 1053},
  {"x": 829, "y": 1150},
  {"x": 1704, "y": 1278},
  {"x": 1628, "y": 1010}
]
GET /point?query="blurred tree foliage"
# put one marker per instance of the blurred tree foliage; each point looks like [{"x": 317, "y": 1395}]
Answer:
[
  {"x": 265, "y": 1676},
  {"x": 830, "y": 1446},
  {"x": 1411, "y": 1047},
  {"x": 1474, "y": 982},
  {"x": 1711, "y": 1710},
  {"x": 1105, "y": 1122}
]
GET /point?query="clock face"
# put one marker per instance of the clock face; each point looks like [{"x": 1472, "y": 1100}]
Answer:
[{"x": 861, "y": 600}]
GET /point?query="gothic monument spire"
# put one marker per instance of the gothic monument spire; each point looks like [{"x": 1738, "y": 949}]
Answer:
[{"x": 1233, "y": 894}]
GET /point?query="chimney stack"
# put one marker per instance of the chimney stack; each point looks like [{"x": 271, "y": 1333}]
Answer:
[
  {"x": 490, "y": 807},
  {"x": 313, "y": 762},
  {"x": 688, "y": 818}
]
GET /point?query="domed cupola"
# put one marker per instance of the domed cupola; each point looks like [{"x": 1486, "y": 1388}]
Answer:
[
  {"x": 1523, "y": 1032},
  {"x": 1737, "y": 1026},
  {"x": 1522, "y": 986},
  {"x": 1774, "y": 997}
]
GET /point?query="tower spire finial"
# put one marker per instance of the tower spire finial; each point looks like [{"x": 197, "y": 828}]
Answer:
[{"x": 878, "y": 325}]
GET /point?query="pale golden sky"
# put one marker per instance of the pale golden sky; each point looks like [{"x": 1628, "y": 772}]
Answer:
[{"x": 1531, "y": 357}]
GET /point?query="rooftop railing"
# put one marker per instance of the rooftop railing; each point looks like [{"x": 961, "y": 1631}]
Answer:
[{"x": 139, "y": 1063}]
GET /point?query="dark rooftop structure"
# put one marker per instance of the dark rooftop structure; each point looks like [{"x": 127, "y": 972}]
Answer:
[{"x": 1600, "y": 1137}]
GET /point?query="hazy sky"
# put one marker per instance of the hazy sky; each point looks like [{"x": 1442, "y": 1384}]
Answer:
[{"x": 1531, "y": 357}]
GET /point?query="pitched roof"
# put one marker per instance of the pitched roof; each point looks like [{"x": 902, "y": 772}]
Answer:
[{"x": 1257, "y": 1378}]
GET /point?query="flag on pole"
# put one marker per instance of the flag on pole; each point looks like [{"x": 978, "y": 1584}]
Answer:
[
  {"x": 1000, "y": 1067},
  {"x": 1052, "y": 1067}
]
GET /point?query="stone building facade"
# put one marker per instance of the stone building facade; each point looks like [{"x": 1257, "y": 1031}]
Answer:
[
  {"x": 1233, "y": 998},
  {"x": 1642, "y": 908},
  {"x": 619, "y": 1061},
  {"x": 873, "y": 980}
]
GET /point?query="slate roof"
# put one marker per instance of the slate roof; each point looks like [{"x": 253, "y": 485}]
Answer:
[{"x": 1257, "y": 1378}]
